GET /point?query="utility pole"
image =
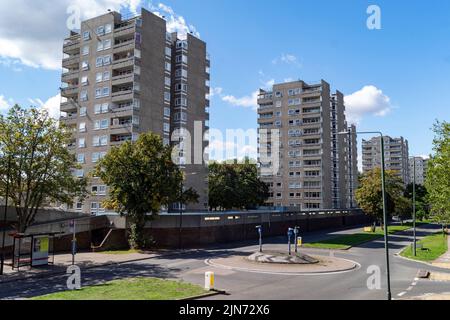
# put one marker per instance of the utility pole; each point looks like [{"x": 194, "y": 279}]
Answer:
[
  {"x": 414, "y": 208},
  {"x": 5, "y": 217}
]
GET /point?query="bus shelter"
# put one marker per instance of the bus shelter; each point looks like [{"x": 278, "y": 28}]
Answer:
[{"x": 33, "y": 250}]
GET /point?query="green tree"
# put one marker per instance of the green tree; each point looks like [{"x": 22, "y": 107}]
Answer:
[
  {"x": 236, "y": 185},
  {"x": 369, "y": 194},
  {"x": 142, "y": 178},
  {"x": 422, "y": 206},
  {"x": 438, "y": 174},
  {"x": 34, "y": 154}
]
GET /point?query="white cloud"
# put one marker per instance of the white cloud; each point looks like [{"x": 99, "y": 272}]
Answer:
[
  {"x": 288, "y": 59},
  {"x": 248, "y": 101},
  {"x": 52, "y": 105},
  {"x": 215, "y": 92},
  {"x": 4, "y": 104},
  {"x": 37, "y": 42},
  {"x": 368, "y": 101},
  {"x": 175, "y": 22}
]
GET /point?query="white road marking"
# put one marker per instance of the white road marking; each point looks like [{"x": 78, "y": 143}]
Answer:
[
  {"x": 414, "y": 283},
  {"x": 410, "y": 288},
  {"x": 401, "y": 294}
]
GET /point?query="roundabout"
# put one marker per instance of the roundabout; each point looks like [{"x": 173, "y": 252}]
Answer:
[{"x": 272, "y": 262}]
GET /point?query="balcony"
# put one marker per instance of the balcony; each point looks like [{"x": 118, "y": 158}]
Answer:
[
  {"x": 123, "y": 79},
  {"x": 126, "y": 28},
  {"x": 70, "y": 119},
  {"x": 124, "y": 95},
  {"x": 72, "y": 45},
  {"x": 70, "y": 75},
  {"x": 68, "y": 107},
  {"x": 71, "y": 62},
  {"x": 124, "y": 46},
  {"x": 123, "y": 63},
  {"x": 69, "y": 92}
]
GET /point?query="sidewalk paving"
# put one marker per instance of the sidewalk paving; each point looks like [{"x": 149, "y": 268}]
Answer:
[
  {"x": 86, "y": 260},
  {"x": 444, "y": 260}
]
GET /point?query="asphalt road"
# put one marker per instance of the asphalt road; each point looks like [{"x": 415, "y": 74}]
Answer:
[{"x": 239, "y": 285}]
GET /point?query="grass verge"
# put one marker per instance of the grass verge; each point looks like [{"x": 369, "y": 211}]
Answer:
[
  {"x": 348, "y": 241},
  {"x": 131, "y": 289},
  {"x": 434, "y": 246}
]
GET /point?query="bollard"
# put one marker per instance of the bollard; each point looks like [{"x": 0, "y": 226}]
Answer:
[
  {"x": 209, "y": 280},
  {"x": 299, "y": 241}
]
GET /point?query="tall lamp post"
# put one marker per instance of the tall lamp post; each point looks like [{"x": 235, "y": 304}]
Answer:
[
  {"x": 5, "y": 217},
  {"x": 414, "y": 208},
  {"x": 385, "y": 217},
  {"x": 181, "y": 209}
]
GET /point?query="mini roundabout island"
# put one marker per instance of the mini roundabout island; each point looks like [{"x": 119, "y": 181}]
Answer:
[{"x": 277, "y": 261}]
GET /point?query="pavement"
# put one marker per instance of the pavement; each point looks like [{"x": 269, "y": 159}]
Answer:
[
  {"x": 368, "y": 282},
  {"x": 443, "y": 261}
]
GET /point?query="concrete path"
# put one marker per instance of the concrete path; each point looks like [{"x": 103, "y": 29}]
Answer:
[{"x": 443, "y": 261}]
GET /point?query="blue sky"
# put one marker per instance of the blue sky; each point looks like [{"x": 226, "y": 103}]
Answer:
[{"x": 396, "y": 78}]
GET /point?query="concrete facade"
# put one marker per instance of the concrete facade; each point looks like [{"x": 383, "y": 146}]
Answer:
[
  {"x": 396, "y": 152},
  {"x": 314, "y": 156},
  {"x": 123, "y": 77}
]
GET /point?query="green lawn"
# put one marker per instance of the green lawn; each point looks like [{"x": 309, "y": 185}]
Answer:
[
  {"x": 434, "y": 246},
  {"x": 347, "y": 241},
  {"x": 131, "y": 289}
]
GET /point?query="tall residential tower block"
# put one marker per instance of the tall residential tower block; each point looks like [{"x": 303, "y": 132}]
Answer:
[
  {"x": 124, "y": 77},
  {"x": 317, "y": 149}
]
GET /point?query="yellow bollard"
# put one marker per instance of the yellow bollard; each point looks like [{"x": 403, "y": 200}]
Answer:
[
  {"x": 299, "y": 241},
  {"x": 209, "y": 280}
]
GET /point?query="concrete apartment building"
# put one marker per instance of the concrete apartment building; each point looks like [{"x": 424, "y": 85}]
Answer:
[
  {"x": 316, "y": 162},
  {"x": 123, "y": 77},
  {"x": 396, "y": 154},
  {"x": 420, "y": 170}
]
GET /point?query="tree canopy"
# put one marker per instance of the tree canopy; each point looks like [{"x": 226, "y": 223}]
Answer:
[
  {"x": 235, "y": 186},
  {"x": 142, "y": 178},
  {"x": 34, "y": 155},
  {"x": 369, "y": 194},
  {"x": 438, "y": 174}
]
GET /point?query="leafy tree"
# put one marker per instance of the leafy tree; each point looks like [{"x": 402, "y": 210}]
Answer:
[
  {"x": 369, "y": 194},
  {"x": 236, "y": 185},
  {"x": 34, "y": 154},
  {"x": 438, "y": 174},
  {"x": 142, "y": 178},
  {"x": 422, "y": 206}
]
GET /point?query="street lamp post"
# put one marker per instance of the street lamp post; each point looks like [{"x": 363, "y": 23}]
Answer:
[
  {"x": 182, "y": 210},
  {"x": 5, "y": 217},
  {"x": 385, "y": 217},
  {"x": 414, "y": 208}
]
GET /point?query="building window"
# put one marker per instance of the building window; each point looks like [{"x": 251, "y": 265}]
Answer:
[
  {"x": 84, "y": 80},
  {"x": 81, "y": 158},
  {"x": 168, "y": 66},
  {"x": 103, "y": 141},
  {"x": 108, "y": 28},
  {"x": 100, "y": 30},
  {"x": 167, "y": 96},
  {"x": 81, "y": 143},
  {"x": 79, "y": 173},
  {"x": 99, "y": 61},
  {"x": 83, "y": 111},
  {"x": 166, "y": 127},
  {"x": 84, "y": 95},
  {"x": 168, "y": 52},
  {"x": 167, "y": 112},
  {"x": 79, "y": 206},
  {"x": 167, "y": 82},
  {"x": 85, "y": 50},
  {"x": 82, "y": 127},
  {"x": 86, "y": 36},
  {"x": 181, "y": 73},
  {"x": 84, "y": 65}
]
